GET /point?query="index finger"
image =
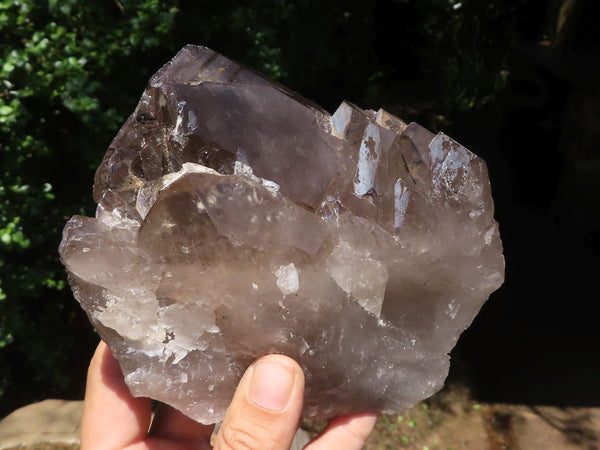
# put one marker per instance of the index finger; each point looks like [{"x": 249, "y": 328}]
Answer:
[
  {"x": 112, "y": 417},
  {"x": 347, "y": 432}
]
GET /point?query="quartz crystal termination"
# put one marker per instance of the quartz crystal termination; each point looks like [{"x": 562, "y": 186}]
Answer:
[{"x": 237, "y": 219}]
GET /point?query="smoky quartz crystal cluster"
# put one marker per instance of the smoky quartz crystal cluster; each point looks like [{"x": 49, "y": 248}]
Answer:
[{"x": 237, "y": 219}]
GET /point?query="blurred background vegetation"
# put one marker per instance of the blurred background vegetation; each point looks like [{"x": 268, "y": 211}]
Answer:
[{"x": 72, "y": 70}]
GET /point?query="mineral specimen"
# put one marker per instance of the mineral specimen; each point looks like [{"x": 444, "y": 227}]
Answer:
[{"x": 237, "y": 219}]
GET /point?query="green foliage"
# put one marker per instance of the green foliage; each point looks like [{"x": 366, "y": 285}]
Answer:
[{"x": 57, "y": 111}]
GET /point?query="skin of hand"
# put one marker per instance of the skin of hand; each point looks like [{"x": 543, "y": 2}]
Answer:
[{"x": 263, "y": 414}]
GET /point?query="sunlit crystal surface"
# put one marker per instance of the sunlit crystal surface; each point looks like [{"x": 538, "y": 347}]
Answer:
[{"x": 237, "y": 219}]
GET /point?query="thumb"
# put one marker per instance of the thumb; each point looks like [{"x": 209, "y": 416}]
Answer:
[{"x": 266, "y": 407}]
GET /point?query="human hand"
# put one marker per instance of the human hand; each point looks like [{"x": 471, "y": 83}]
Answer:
[{"x": 263, "y": 414}]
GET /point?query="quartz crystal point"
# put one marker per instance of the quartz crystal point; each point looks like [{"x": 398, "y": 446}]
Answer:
[{"x": 237, "y": 219}]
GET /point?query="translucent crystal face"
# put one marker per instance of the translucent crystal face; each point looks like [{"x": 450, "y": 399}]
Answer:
[{"x": 236, "y": 219}]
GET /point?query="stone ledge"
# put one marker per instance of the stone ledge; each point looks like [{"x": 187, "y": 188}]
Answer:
[{"x": 46, "y": 424}]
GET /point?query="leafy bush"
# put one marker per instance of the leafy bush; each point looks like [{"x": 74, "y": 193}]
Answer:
[{"x": 57, "y": 111}]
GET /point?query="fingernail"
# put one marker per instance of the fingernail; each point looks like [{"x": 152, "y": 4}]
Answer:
[{"x": 271, "y": 385}]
